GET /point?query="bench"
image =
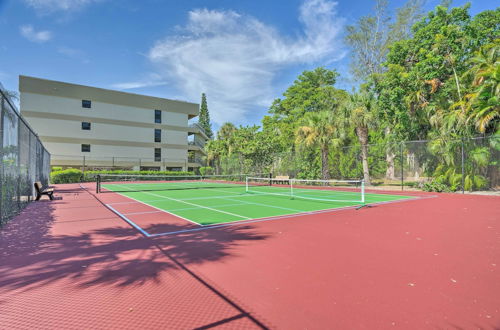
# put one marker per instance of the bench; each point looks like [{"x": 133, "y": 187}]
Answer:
[
  {"x": 282, "y": 179},
  {"x": 40, "y": 191}
]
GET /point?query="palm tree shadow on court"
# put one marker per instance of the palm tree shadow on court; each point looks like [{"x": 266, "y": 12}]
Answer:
[
  {"x": 31, "y": 256},
  {"x": 40, "y": 249}
]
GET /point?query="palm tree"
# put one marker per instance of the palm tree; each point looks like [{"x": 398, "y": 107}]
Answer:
[
  {"x": 213, "y": 149},
  {"x": 226, "y": 131},
  {"x": 319, "y": 130},
  {"x": 484, "y": 102},
  {"x": 226, "y": 136},
  {"x": 362, "y": 117}
]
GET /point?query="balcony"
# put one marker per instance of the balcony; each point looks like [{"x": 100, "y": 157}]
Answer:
[{"x": 194, "y": 128}]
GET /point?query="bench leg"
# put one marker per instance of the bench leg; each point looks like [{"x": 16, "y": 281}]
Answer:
[
  {"x": 38, "y": 197},
  {"x": 51, "y": 196}
]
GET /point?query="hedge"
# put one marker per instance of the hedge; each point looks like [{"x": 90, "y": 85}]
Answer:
[
  {"x": 207, "y": 170},
  {"x": 71, "y": 175},
  {"x": 91, "y": 175}
]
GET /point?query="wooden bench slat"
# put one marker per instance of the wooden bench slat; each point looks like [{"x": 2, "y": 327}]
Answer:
[{"x": 40, "y": 191}]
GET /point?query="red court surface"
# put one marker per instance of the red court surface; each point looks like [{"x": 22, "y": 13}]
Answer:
[{"x": 423, "y": 264}]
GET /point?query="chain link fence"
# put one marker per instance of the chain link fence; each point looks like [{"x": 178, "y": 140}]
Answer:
[
  {"x": 24, "y": 160},
  {"x": 91, "y": 163},
  {"x": 460, "y": 165}
]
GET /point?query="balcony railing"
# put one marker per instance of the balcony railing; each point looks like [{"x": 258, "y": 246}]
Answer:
[
  {"x": 196, "y": 143},
  {"x": 198, "y": 160},
  {"x": 197, "y": 126}
]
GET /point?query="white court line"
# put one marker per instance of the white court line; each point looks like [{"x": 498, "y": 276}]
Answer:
[
  {"x": 217, "y": 197},
  {"x": 285, "y": 216},
  {"x": 201, "y": 206},
  {"x": 130, "y": 222},
  {"x": 147, "y": 212},
  {"x": 183, "y": 199},
  {"x": 249, "y": 220},
  {"x": 197, "y": 208},
  {"x": 185, "y": 202},
  {"x": 175, "y": 215},
  {"x": 254, "y": 203},
  {"x": 239, "y": 222},
  {"x": 267, "y": 205}
]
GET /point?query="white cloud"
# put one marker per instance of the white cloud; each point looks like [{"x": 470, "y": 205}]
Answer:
[
  {"x": 234, "y": 58},
  {"x": 29, "y": 33},
  {"x": 48, "y": 6}
]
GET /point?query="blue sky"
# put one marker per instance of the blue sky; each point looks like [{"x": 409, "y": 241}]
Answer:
[{"x": 243, "y": 54}]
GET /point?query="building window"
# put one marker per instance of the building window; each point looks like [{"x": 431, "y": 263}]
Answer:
[
  {"x": 157, "y": 154},
  {"x": 158, "y": 116},
  {"x": 86, "y": 104},
  {"x": 157, "y": 135},
  {"x": 85, "y": 147},
  {"x": 86, "y": 126}
]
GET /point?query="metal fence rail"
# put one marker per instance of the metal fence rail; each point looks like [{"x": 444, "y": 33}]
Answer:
[
  {"x": 24, "y": 160},
  {"x": 465, "y": 164},
  {"x": 89, "y": 163}
]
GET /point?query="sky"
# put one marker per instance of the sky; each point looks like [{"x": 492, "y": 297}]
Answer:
[{"x": 242, "y": 54}]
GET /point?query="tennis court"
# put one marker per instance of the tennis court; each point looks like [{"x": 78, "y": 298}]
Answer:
[{"x": 211, "y": 201}]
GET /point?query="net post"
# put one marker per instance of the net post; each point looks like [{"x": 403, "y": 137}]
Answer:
[
  {"x": 246, "y": 184},
  {"x": 291, "y": 188},
  {"x": 270, "y": 179},
  {"x": 98, "y": 184}
]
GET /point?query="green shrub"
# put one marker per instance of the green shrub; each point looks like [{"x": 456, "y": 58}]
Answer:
[
  {"x": 56, "y": 168},
  {"x": 207, "y": 170},
  {"x": 92, "y": 175},
  {"x": 71, "y": 175},
  {"x": 436, "y": 186}
]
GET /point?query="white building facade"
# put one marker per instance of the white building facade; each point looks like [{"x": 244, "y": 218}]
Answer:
[{"x": 102, "y": 129}]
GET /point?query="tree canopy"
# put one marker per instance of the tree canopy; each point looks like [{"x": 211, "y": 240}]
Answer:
[{"x": 421, "y": 76}]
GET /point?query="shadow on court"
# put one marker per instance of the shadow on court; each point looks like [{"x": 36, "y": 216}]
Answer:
[
  {"x": 80, "y": 247},
  {"x": 116, "y": 256}
]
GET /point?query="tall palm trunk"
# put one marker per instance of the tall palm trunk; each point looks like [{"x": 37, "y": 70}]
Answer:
[
  {"x": 362, "y": 133},
  {"x": 324, "y": 163},
  {"x": 217, "y": 165},
  {"x": 390, "y": 172},
  {"x": 389, "y": 158}
]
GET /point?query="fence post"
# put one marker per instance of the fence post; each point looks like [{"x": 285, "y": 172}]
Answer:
[
  {"x": 463, "y": 168},
  {"x": 112, "y": 162},
  {"x": 402, "y": 167}
]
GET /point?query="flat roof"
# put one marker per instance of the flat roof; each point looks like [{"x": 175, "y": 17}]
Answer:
[{"x": 35, "y": 85}]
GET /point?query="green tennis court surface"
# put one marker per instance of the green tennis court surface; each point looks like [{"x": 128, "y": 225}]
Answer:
[{"x": 210, "y": 203}]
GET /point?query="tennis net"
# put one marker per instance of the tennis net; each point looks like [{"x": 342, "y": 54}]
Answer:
[
  {"x": 131, "y": 182},
  {"x": 350, "y": 191}
]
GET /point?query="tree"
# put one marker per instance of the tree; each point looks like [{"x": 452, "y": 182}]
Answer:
[
  {"x": 319, "y": 130},
  {"x": 214, "y": 149},
  {"x": 372, "y": 35},
  {"x": 370, "y": 40},
  {"x": 362, "y": 117},
  {"x": 204, "y": 118},
  {"x": 431, "y": 65},
  {"x": 312, "y": 91},
  {"x": 484, "y": 102},
  {"x": 13, "y": 95}
]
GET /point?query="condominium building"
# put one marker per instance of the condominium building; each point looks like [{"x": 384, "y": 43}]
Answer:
[{"x": 101, "y": 128}]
